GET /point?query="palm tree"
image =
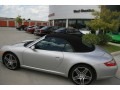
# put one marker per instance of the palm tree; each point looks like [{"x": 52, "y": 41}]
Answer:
[{"x": 19, "y": 20}]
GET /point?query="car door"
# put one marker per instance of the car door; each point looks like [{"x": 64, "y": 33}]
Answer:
[{"x": 46, "y": 55}]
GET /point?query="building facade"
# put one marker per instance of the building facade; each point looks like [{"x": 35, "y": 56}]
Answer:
[
  {"x": 10, "y": 22},
  {"x": 71, "y": 15}
]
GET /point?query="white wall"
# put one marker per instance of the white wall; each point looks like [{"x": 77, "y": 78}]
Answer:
[{"x": 67, "y": 11}]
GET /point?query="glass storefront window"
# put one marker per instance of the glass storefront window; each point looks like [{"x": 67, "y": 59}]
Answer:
[
  {"x": 71, "y": 23},
  {"x": 60, "y": 22},
  {"x": 77, "y": 23},
  {"x": 80, "y": 24}
]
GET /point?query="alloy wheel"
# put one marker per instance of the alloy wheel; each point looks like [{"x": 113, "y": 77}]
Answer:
[
  {"x": 82, "y": 75},
  {"x": 10, "y": 61}
]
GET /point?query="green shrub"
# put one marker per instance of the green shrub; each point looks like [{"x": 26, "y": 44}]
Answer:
[
  {"x": 104, "y": 39},
  {"x": 90, "y": 39}
]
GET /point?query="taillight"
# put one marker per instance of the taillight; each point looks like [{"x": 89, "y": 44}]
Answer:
[
  {"x": 111, "y": 63},
  {"x": 41, "y": 31}
]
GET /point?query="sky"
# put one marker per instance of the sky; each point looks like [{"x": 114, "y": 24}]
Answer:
[{"x": 34, "y": 12}]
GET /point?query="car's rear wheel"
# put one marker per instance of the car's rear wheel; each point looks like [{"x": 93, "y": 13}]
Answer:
[
  {"x": 11, "y": 61},
  {"x": 82, "y": 75}
]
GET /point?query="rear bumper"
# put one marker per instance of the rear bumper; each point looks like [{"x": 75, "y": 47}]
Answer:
[{"x": 105, "y": 71}]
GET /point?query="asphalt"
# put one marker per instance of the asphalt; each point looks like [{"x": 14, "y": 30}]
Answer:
[{"x": 30, "y": 77}]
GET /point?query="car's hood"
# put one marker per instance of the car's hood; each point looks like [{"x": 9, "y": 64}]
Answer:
[
  {"x": 21, "y": 44},
  {"x": 18, "y": 45},
  {"x": 85, "y": 31}
]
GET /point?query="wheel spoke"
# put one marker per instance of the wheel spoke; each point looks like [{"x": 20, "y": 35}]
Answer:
[
  {"x": 10, "y": 57},
  {"x": 76, "y": 77},
  {"x": 14, "y": 61},
  {"x": 7, "y": 59},
  {"x": 85, "y": 71},
  {"x": 77, "y": 71},
  {"x": 13, "y": 66},
  {"x": 82, "y": 81},
  {"x": 88, "y": 77},
  {"x": 7, "y": 64}
]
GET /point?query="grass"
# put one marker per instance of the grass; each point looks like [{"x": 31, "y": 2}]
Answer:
[{"x": 111, "y": 48}]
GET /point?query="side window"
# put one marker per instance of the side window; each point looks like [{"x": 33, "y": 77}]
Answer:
[
  {"x": 57, "y": 44},
  {"x": 44, "y": 44},
  {"x": 54, "y": 44}
]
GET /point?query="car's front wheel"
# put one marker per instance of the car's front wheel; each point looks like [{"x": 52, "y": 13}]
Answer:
[
  {"x": 82, "y": 75},
  {"x": 11, "y": 61}
]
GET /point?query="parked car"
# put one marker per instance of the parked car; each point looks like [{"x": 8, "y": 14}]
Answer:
[
  {"x": 31, "y": 29},
  {"x": 22, "y": 27},
  {"x": 37, "y": 29},
  {"x": 67, "y": 31},
  {"x": 61, "y": 54},
  {"x": 25, "y": 29},
  {"x": 46, "y": 30},
  {"x": 85, "y": 31},
  {"x": 115, "y": 36}
]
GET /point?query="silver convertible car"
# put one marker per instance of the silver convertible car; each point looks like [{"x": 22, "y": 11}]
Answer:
[{"x": 61, "y": 54}]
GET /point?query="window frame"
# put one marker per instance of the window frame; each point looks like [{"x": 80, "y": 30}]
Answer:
[{"x": 65, "y": 42}]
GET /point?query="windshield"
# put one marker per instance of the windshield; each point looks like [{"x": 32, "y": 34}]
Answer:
[{"x": 29, "y": 43}]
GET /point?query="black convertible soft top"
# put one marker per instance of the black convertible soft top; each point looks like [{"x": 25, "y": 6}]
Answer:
[{"x": 75, "y": 40}]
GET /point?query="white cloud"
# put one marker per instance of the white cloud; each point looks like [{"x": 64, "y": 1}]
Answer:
[{"x": 34, "y": 12}]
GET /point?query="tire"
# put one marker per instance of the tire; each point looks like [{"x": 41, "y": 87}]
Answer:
[
  {"x": 82, "y": 75},
  {"x": 11, "y": 61}
]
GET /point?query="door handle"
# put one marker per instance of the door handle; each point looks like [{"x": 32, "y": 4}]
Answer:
[{"x": 57, "y": 58}]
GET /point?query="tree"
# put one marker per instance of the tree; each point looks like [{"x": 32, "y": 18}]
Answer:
[
  {"x": 19, "y": 19},
  {"x": 105, "y": 20}
]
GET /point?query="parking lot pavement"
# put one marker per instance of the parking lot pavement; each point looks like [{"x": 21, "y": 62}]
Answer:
[
  {"x": 12, "y": 36},
  {"x": 31, "y": 77}
]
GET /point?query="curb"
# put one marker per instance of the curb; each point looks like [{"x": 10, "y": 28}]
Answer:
[{"x": 115, "y": 53}]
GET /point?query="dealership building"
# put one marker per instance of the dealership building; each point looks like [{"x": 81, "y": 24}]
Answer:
[{"x": 71, "y": 15}]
